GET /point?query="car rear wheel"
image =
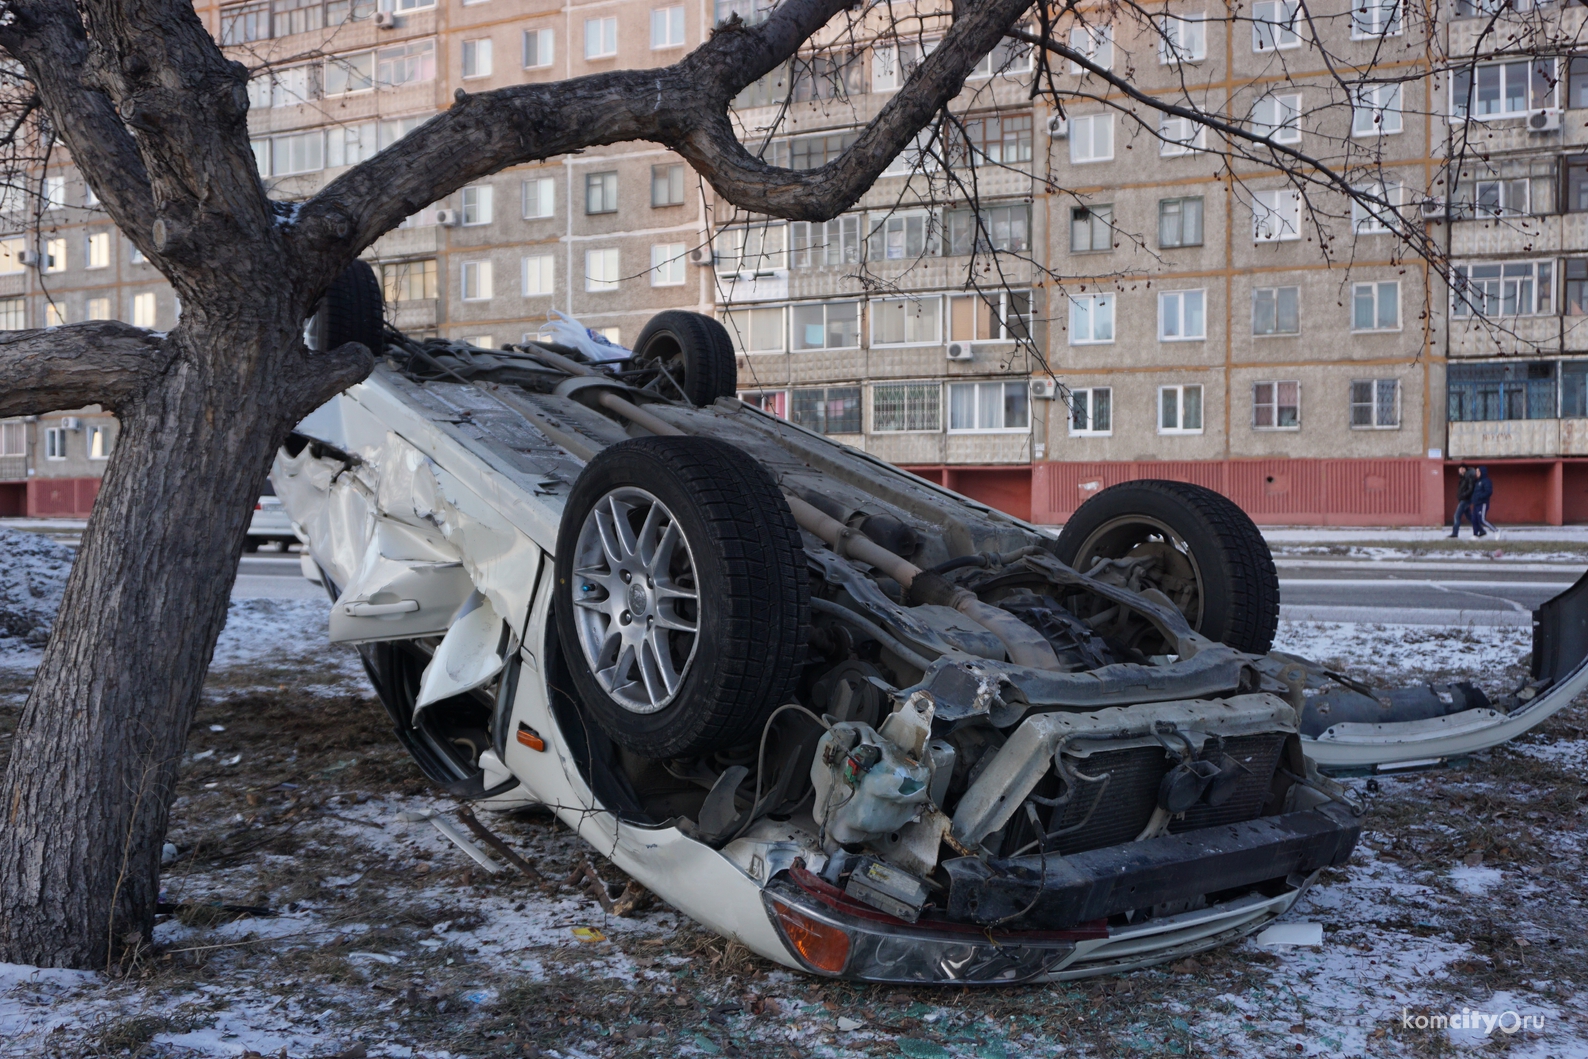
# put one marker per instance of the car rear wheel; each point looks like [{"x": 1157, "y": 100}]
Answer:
[
  {"x": 352, "y": 310},
  {"x": 1211, "y": 560},
  {"x": 682, "y": 600},
  {"x": 691, "y": 355}
]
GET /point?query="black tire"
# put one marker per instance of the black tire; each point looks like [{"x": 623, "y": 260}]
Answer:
[
  {"x": 696, "y": 352},
  {"x": 752, "y": 612},
  {"x": 1237, "y": 586},
  {"x": 351, "y": 311}
]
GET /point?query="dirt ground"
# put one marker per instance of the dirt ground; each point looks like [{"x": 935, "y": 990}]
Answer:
[{"x": 375, "y": 937}]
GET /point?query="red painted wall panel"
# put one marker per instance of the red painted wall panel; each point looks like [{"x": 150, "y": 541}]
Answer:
[{"x": 61, "y": 497}]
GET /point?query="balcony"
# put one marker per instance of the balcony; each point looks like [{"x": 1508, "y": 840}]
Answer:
[
  {"x": 1518, "y": 438},
  {"x": 13, "y": 468}
]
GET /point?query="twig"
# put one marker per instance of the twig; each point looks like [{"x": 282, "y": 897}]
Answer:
[{"x": 484, "y": 834}]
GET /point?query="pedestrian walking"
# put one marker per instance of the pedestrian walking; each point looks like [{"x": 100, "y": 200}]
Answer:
[
  {"x": 1464, "y": 485},
  {"x": 1482, "y": 493}
]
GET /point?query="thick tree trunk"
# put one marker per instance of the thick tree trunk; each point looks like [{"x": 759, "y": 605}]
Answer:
[{"x": 97, "y": 750}]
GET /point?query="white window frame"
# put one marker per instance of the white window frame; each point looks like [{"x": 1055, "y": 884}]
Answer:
[
  {"x": 1177, "y": 393},
  {"x": 1274, "y": 26},
  {"x": 13, "y": 437},
  {"x": 996, "y": 305},
  {"x": 1005, "y": 388},
  {"x": 928, "y": 314},
  {"x": 539, "y": 195},
  {"x": 1275, "y": 292},
  {"x": 1372, "y": 404},
  {"x": 145, "y": 307},
  {"x": 1367, "y": 219},
  {"x": 1528, "y": 102},
  {"x": 600, "y": 34},
  {"x": 741, "y": 325},
  {"x": 476, "y": 205},
  {"x": 477, "y": 281},
  {"x": 97, "y": 250},
  {"x": 1283, "y": 125},
  {"x": 670, "y": 22},
  {"x": 98, "y": 443},
  {"x": 887, "y": 73},
  {"x": 1270, "y": 224},
  {"x": 1089, "y": 225},
  {"x": 1182, "y": 39},
  {"x": 1087, "y": 396},
  {"x": 607, "y": 256},
  {"x": 1275, "y": 404},
  {"x": 925, "y": 386},
  {"x": 97, "y": 309},
  {"x": 542, "y": 52},
  {"x": 55, "y": 193},
  {"x": 538, "y": 271},
  {"x": 476, "y": 58},
  {"x": 1093, "y": 302},
  {"x": 1541, "y": 279},
  {"x": 55, "y": 443},
  {"x": 1088, "y": 129},
  {"x": 1372, "y": 19},
  {"x": 1377, "y": 295},
  {"x": 1175, "y": 313},
  {"x": 1096, "y": 43},
  {"x": 1180, "y": 136},
  {"x": 667, "y": 264},
  {"x": 1376, "y": 110},
  {"x": 826, "y": 307}
]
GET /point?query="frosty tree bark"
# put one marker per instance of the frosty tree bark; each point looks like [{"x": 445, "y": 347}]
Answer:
[{"x": 156, "y": 119}]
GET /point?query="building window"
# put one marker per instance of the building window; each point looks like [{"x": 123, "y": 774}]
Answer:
[
  {"x": 98, "y": 250},
  {"x": 1577, "y": 82},
  {"x": 667, "y": 183},
  {"x": 1276, "y": 405},
  {"x": 1008, "y": 57},
  {"x": 1375, "y": 18},
  {"x": 667, "y": 27},
  {"x": 476, "y": 202},
  {"x": 753, "y": 250},
  {"x": 902, "y": 236},
  {"x": 772, "y": 402},
  {"x": 892, "y": 64},
  {"x": 901, "y": 406},
  {"x": 991, "y": 228},
  {"x": 11, "y": 251},
  {"x": 667, "y": 264},
  {"x": 906, "y": 322},
  {"x": 813, "y": 152},
  {"x": 1091, "y": 228},
  {"x": 601, "y": 269},
  {"x": 828, "y": 76},
  {"x": 476, "y": 281},
  {"x": 756, "y": 330},
  {"x": 1092, "y": 411},
  {"x": 1376, "y": 110},
  {"x": 302, "y": 152},
  {"x": 1096, "y": 43},
  {"x": 1180, "y": 409},
  {"x": 54, "y": 443},
  {"x": 997, "y": 138},
  {"x": 54, "y": 314},
  {"x": 13, "y": 438},
  {"x": 537, "y": 48},
  {"x": 406, "y": 64},
  {"x": 143, "y": 309},
  {"x": 1180, "y": 222},
  {"x": 1374, "y": 213},
  {"x": 1497, "y": 198},
  {"x": 834, "y": 325},
  {"x": 1182, "y": 316},
  {"x": 1182, "y": 39},
  {"x": 1091, "y": 319},
  {"x": 1276, "y": 311},
  {"x": 350, "y": 73},
  {"x": 408, "y": 281},
  {"x": 828, "y": 410},
  {"x": 1513, "y": 288},
  {"x": 136, "y": 255},
  {"x": 540, "y": 275},
  {"x": 750, "y": 12},
  {"x": 1376, "y": 306},
  {"x": 477, "y": 57},
  {"x": 350, "y": 145},
  {"x": 1577, "y": 286},
  {"x": 99, "y": 443},
  {"x": 990, "y": 316},
  {"x": 1375, "y": 403},
  {"x": 1180, "y": 136},
  {"x": 1092, "y": 138},
  {"x": 97, "y": 309},
  {"x": 1278, "y": 117},
  {"x": 600, "y": 38},
  {"x": 55, "y": 255},
  {"x": 1499, "y": 90},
  {"x": 394, "y": 129},
  {"x": 921, "y": 154},
  {"x": 245, "y": 23},
  {"x": 1573, "y": 389},
  {"x": 540, "y": 197},
  {"x": 1274, "y": 25},
  {"x": 1491, "y": 392},
  {"x": 13, "y": 314},
  {"x": 54, "y": 193},
  {"x": 989, "y": 407},
  {"x": 601, "y": 193},
  {"x": 817, "y": 243},
  {"x": 1276, "y": 215}
]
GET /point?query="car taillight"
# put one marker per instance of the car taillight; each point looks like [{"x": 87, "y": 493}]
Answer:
[
  {"x": 258, "y": 506},
  {"x": 821, "y": 945}
]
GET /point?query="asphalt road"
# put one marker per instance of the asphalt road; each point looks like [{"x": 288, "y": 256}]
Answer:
[{"x": 1475, "y": 592}]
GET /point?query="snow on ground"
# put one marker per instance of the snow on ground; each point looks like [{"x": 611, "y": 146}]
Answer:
[
  {"x": 33, "y": 573},
  {"x": 1464, "y": 897}
]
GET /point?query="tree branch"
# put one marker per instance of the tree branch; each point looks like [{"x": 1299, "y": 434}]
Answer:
[{"x": 105, "y": 362}]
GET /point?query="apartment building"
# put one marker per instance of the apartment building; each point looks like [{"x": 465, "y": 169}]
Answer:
[{"x": 1030, "y": 304}]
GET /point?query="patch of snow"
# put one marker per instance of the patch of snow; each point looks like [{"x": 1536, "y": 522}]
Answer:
[
  {"x": 33, "y": 571},
  {"x": 1470, "y": 880}
]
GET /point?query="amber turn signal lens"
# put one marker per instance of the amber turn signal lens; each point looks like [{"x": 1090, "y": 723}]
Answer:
[
  {"x": 824, "y": 947},
  {"x": 530, "y": 739}
]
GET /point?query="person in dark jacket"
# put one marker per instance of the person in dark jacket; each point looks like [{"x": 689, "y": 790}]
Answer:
[
  {"x": 1482, "y": 493},
  {"x": 1464, "y": 484}
]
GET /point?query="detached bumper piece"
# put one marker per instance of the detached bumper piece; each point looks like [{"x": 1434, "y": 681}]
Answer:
[{"x": 1099, "y": 883}]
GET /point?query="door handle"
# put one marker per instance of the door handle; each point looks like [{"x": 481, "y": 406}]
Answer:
[{"x": 381, "y": 610}]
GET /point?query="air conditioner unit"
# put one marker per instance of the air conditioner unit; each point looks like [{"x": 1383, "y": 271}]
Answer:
[
  {"x": 960, "y": 351},
  {"x": 701, "y": 255},
  {"x": 1433, "y": 209},
  {"x": 71, "y": 423},
  {"x": 1058, "y": 126},
  {"x": 1546, "y": 120},
  {"x": 1044, "y": 389},
  {"x": 385, "y": 20},
  {"x": 29, "y": 257},
  {"x": 447, "y": 218}
]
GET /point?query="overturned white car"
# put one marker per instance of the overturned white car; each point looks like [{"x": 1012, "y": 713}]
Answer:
[{"x": 864, "y": 725}]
